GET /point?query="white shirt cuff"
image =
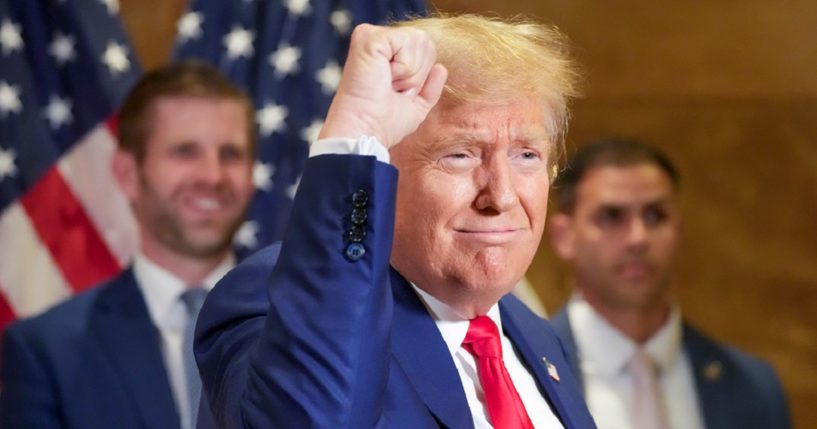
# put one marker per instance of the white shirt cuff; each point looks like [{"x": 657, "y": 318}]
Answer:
[{"x": 363, "y": 145}]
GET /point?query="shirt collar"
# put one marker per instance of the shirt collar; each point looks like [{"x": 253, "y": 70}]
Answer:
[
  {"x": 451, "y": 324},
  {"x": 607, "y": 350},
  {"x": 161, "y": 288}
]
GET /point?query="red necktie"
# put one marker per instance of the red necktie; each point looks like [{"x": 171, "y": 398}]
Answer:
[{"x": 504, "y": 406}]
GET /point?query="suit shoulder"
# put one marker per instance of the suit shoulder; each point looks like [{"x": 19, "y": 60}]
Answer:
[
  {"x": 61, "y": 323},
  {"x": 743, "y": 365}
]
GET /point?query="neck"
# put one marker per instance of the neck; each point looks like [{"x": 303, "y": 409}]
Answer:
[
  {"x": 637, "y": 323},
  {"x": 190, "y": 269}
]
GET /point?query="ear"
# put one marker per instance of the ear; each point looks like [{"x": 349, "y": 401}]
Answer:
[
  {"x": 125, "y": 171},
  {"x": 562, "y": 237}
]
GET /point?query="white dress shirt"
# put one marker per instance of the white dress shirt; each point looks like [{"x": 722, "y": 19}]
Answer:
[
  {"x": 603, "y": 355},
  {"x": 453, "y": 329},
  {"x": 162, "y": 291}
]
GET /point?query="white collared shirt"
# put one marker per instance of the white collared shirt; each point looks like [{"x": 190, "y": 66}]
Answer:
[
  {"x": 453, "y": 329},
  {"x": 162, "y": 290},
  {"x": 604, "y": 353}
]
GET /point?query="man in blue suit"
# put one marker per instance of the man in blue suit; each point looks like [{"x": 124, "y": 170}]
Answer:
[
  {"x": 617, "y": 225},
  {"x": 386, "y": 304},
  {"x": 114, "y": 357}
]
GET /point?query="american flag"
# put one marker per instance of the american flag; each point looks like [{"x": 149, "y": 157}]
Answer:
[
  {"x": 65, "y": 66},
  {"x": 287, "y": 54}
]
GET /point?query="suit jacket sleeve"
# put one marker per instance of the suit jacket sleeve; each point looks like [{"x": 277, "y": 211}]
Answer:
[
  {"x": 304, "y": 341},
  {"x": 27, "y": 397}
]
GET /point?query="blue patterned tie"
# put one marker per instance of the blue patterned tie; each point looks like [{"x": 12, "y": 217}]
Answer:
[{"x": 192, "y": 298}]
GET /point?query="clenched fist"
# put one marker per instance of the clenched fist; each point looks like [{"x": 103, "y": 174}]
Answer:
[{"x": 390, "y": 82}]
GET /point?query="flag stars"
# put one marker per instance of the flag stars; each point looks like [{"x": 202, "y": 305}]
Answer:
[
  {"x": 298, "y": 7},
  {"x": 116, "y": 58},
  {"x": 7, "y": 166},
  {"x": 111, "y": 5},
  {"x": 262, "y": 176},
  {"x": 342, "y": 21},
  {"x": 247, "y": 235},
  {"x": 285, "y": 60},
  {"x": 58, "y": 112},
  {"x": 9, "y": 99},
  {"x": 329, "y": 77},
  {"x": 190, "y": 26},
  {"x": 62, "y": 49},
  {"x": 271, "y": 118},
  {"x": 10, "y": 38},
  {"x": 310, "y": 133},
  {"x": 239, "y": 43}
]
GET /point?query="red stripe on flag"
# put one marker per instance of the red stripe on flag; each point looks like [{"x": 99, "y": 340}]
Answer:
[
  {"x": 68, "y": 233},
  {"x": 6, "y": 312}
]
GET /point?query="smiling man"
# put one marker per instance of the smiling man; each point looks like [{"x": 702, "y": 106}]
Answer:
[
  {"x": 386, "y": 305},
  {"x": 617, "y": 224},
  {"x": 120, "y": 356}
]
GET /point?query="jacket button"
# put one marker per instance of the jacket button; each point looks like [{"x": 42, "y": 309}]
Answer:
[
  {"x": 356, "y": 234},
  {"x": 355, "y": 251},
  {"x": 360, "y": 199},
  {"x": 359, "y": 216}
]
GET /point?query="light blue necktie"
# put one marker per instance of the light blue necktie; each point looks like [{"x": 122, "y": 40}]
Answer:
[{"x": 193, "y": 298}]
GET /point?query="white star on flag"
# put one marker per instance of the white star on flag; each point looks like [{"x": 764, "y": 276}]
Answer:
[
  {"x": 116, "y": 58},
  {"x": 190, "y": 26},
  {"x": 310, "y": 133},
  {"x": 10, "y": 38},
  {"x": 246, "y": 235},
  {"x": 7, "y": 166},
  {"x": 271, "y": 118},
  {"x": 342, "y": 21},
  {"x": 298, "y": 7},
  {"x": 111, "y": 5},
  {"x": 9, "y": 99},
  {"x": 62, "y": 48},
  {"x": 239, "y": 43},
  {"x": 262, "y": 175},
  {"x": 58, "y": 112},
  {"x": 285, "y": 60},
  {"x": 329, "y": 77}
]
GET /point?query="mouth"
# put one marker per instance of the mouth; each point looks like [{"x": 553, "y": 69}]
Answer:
[
  {"x": 207, "y": 205},
  {"x": 489, "y": 236}
]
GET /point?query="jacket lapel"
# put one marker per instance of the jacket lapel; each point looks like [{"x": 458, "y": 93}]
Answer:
[
  {"x": 421, "y": 352},
  {"x": 539, "y": 350},
  {"x": 710, "y": 379},
  {"x": 125, "y": 331}
]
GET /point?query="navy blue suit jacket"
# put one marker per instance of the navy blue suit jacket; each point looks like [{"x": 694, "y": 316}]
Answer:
[
  {"x": 91, "y": 362},
  {"x": 302, "y": 336},
  {"x": 735, "y": 390}
]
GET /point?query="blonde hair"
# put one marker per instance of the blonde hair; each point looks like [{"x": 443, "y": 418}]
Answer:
[{"x": 494, "y": 59}]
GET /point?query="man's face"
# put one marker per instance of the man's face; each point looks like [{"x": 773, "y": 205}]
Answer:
[
  {"x": 471, "y": 200},
  {"x": 191, "y": 190},
  {"x": 622, "y": 236}
]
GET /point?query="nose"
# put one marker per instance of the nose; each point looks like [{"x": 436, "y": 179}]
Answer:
[
  {"x": 637, "y": 232},
  {"x": 496, "y": 185},
  {"x": 211, "y": 169}
]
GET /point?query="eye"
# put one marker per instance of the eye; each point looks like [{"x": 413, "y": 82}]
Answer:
[
  {"x": 654, "y": 215},
  {"x": 232, "y": 154},
  {"x": 184, "y": 150},
  {"x": 609, "y": 217},
  {"x": 460, "y": 161}
]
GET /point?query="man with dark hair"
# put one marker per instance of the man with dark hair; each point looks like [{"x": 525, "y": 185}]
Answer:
[
  {"x": 642, "y": 367},
  {"x": 120, "y": 355}
]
